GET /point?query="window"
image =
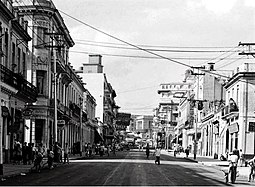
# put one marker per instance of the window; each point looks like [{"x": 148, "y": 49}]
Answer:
[
  {"x": 41, "y": 37},
  {"x": 237, "y": 95},
  {"x": 1, "y": 44},
  {"x": 18, "y": 60},
  {"x": 40, "y": 81},
  {"x": 236, "y": 140},
  {"x": 13, "y": 57},
  {"x": 24, "y": 64}
]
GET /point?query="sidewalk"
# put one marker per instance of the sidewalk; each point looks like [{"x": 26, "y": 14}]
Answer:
[
  {"x": 11, "y": 170},
  {"x": 209, "y": 161}
]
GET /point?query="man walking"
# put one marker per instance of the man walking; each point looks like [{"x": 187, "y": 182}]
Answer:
[
  {"x": 157, "y": 154},
  {"x": 66, "y": 153}
]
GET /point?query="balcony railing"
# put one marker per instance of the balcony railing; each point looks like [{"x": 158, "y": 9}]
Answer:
[
  {"x": 228, "y": 110},
  {"x": 26, "y": 90}
]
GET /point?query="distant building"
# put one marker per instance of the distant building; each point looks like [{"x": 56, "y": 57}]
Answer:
[
  {"x": 96, "y": 82},
  {"x": 143, "y": 126}
]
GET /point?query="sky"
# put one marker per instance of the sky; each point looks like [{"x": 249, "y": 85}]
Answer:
[{"x": 214, "y": 26}]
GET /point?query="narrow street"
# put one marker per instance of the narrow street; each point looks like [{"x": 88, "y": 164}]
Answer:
[{"x": 129, "y": 168}]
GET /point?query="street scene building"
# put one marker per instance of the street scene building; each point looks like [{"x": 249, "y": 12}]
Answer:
[
  {"x": 68, "y": 120},
  {"x": 17, "y": 89},
  {"x": 96, "y": 82}
]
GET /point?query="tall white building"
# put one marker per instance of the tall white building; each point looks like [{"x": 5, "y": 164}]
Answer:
[{"x": 96, "y": 82}]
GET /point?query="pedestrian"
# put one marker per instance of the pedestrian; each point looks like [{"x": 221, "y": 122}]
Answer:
[
  {"x": 187, "y": 152},
  {"x": 114, "y": 149},
  {"x": 147, "y": 151},
  {"x": 175, "y": 151},
  {"x": 19, "y": 153},
  {"x": 24, "y": 153},
  {"x": 90, "y": 151},
  {"x": 236, "y": 152},
  {"x": 66, "y": 153},
  {"x": 101, "y": 150},
  {"x": 157, "y": 154},
  {"x": 108, "y": 150},
  {"x": 59, "y": 148},
  {"x": 50, "y": 156},
  {"x": 251, "y": 164},
  {"x": 30, "y": 153},
  {"x": 34, "y": 151},
  {"x": 241, "y": 161},
  {"x": 55, "y": 151}
]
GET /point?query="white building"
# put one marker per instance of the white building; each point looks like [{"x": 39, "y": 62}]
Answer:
[{"x": 96, "y": 82}]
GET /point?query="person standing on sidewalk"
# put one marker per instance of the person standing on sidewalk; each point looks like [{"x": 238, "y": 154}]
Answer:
[
  {"x": 187, "y": 152},
  {"x": 147, "y": 151},
  {"x": 251, "y": 169},
  {"x": 157, "y": 154},
  {"x": 66, "y": 153}
]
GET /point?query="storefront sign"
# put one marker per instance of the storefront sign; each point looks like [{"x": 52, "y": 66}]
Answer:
[
  {"x": 61, "y": 123},
  {"x": 233, "y": 128}
]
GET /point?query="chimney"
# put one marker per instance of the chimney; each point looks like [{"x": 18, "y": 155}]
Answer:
[{"x": 95, "y": 59}]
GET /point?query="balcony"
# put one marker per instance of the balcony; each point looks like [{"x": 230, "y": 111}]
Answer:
[
  {"x": 229, "y": 111},
  {"x": 75, "y": 108},
  {"x": 26, "y": 91}
]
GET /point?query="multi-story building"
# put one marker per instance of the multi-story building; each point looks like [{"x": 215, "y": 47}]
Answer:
[
  {"x": 16, "y": 89},
  {"x": 168, "y": 110},
  {"x": 144, "y": 126},
  {"x": 101, "y": 89},
  {"x": 57, "y": 115},
  {"x": 238, "y": 112},
  {"x": 91, "y": 134}
]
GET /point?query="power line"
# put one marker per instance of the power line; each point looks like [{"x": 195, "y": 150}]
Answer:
[
  {"x": 148, "y": 57},
  {"x": 153, "y": 49},
  {"x": 155, "y": 54},
  {"x": 230, "y": 62},
  {"x": 158, "y": 46},
  {"x": 145, "y": 50}
]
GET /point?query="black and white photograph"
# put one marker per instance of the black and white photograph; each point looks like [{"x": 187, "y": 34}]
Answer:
[{"x": 127, "y": 93}]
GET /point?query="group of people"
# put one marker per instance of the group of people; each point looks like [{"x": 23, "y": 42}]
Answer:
[
  {"x": 178, "y": 149},
  {"x": 102, "y": 149},
  {"x": 236, "y": 157},
  {"x": 26, "y": 153}
]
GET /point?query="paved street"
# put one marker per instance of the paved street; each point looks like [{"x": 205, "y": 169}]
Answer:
[{"x": 127, "y": 168}]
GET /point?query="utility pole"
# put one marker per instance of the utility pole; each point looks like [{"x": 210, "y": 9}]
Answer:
[
  {"x": 196, "y": 124},
  {"x": 53, "y": 46}
]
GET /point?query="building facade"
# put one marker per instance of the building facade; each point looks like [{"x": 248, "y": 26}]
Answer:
[
  {"x": 16, "y": 89},
  {"x": 167, "y": 113},
  {"x": 96, "y": 82},
  {"x": 57, "y": 114}
]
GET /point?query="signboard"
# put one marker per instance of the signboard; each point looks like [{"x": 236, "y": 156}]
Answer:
[
  {"x": 61, "y": 123},
  {"x": 123, "y": 119},
  {"x": 233, "y": 128}
]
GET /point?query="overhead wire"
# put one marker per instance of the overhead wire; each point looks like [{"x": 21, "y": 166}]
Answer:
[
  {"x": 154, "y": 49},
  {"x": 158, "y": 46},
  {"x": 145, "y": 50},
  {"x": 149, "y": 57},
  {"x": 142, "y": 49},
  {"x": 128, "y": 43}
]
